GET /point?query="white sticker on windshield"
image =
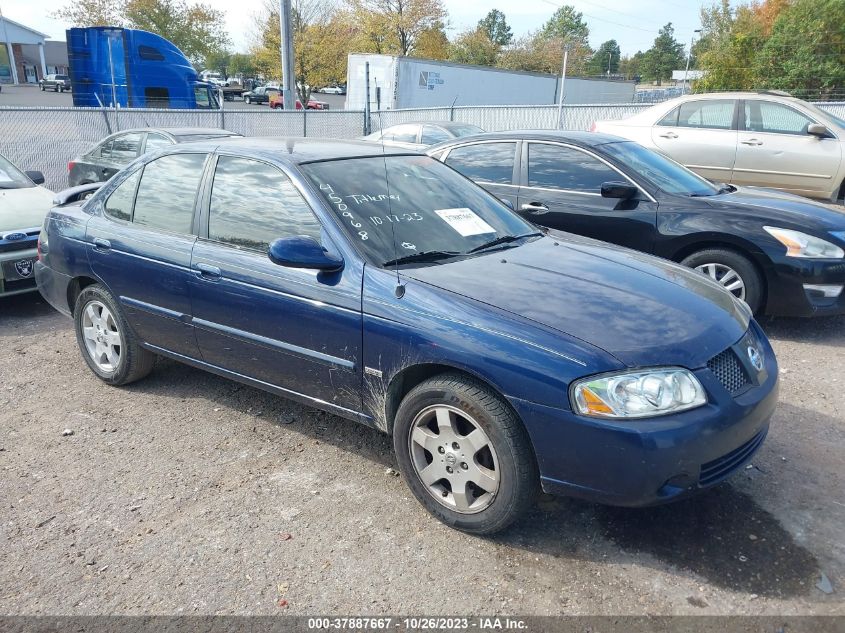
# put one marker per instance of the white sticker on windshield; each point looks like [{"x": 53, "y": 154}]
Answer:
[{"x": 465, "y": 221}]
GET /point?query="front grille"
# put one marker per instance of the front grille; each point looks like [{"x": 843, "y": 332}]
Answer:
[
  {"x": 727, "y": 368},
  {"x": 718, "y": 469},
  {"x": 31, "y": 241}
]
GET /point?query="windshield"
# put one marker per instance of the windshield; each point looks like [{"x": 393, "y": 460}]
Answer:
[
  {"x": 427, "y": 209},
  {"x": 11, "y": 177},
  {"x": 662, "y": 172},
  {"x": 464, "y": 130}
]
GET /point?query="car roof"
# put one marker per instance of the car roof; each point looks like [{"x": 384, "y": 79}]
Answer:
[
  {"x": 587, "y": 139},
  {"x": 297, "y": 150},
  {"x": 180, "y": 131}
]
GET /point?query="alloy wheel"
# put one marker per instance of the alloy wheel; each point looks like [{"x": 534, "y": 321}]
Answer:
[
  {"x": 102, "y": 336},
  {"x": 726, "y": 276},
  {"x": 454, "y": 459}
]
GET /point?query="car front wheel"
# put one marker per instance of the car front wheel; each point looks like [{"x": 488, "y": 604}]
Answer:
[
  {"x": 247, "y": 100},
  {"x": 106, "y": 342},
  {"x": 464, "y": 454},
  {"x": 733, "y": 271}
]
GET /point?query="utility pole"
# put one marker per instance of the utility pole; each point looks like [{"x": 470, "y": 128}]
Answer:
[
  {"x": 609, "y": 59},
  {"x": 562, "y": 86},
  {"x": 288, "y": 83},
  {"x": 689, "y": 55}
]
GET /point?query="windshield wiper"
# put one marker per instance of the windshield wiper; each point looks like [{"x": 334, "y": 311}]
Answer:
[
  {"x": 424, "y": 256},
  {"x": 504, "y": 239}
]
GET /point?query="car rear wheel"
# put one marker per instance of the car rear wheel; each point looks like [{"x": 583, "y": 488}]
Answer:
[
  {"x": 247, "y": 100},
  {"x": 464, "y": 454},
  {"x": 106, "y": 342},
  {"x": 734, "y": 272},
  {"x": 42, "y": 87}
]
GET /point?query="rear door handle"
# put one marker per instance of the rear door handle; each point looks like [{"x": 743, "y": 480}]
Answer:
[
  {"x": 102, "y": 245},
  {"x": 669, "y": 135},
  {"x": 536, "y": 208},
  {"x": 208, "y": 271},
  {"x": 752, "y": 141}
]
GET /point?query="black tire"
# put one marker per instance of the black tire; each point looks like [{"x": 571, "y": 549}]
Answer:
[
  {"x": 42, "y": 87},
  {"x": 135, "y": 362},
  {"x": 516, "y": 465},
  {"x": 755, "y": 289},
  {"x": 247, "y": 100}
]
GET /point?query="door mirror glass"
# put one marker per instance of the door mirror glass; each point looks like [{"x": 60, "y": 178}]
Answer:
[
  {"x": 38, "y": 178},
  {"x": 619, "y": 190},
  {"x": 302, "y": 251},
  {"x": 817, "y": 129}
]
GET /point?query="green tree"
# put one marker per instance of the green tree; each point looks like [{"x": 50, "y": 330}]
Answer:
[
  {"x": 496, "y": 28},
  {"x": 537, "y": 53},
  {"x": 605, "y": 59},
  {"x": 665, "y": 55},
  {"x": 474, "y": 47},
  {"x": 240, "y": 64},
  {"x": 629, "y": 66},
  {"x": 433, "y": 43},
  {"x": 728, "y": 47},
  {"x": 92, "y": 13},
  {"x": 395, "y": 26},
  {"x": 568, "y": 25},
  {"x": 806, "y": 51},
  {"x": 218, "y": 61}
]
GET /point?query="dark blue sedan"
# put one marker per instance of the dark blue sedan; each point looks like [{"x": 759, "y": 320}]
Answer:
[{"x": 384, "y": 287}]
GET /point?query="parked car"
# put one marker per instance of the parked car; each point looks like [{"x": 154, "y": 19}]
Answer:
[
  {"x": 779, "y": 253},
  {"x": 333, "y": 90},
  {"x": 746, "y": 138},
  {"x": 56, "y": 83},
  {"x": 277, "y": 101},
  {"x": 384, "y": 287},
  {"x": 116, "y": 151},
  {"x": 261, "y": 94},
  {"x": 23, "y": 205},
  {"x": 422, "y": 134}
]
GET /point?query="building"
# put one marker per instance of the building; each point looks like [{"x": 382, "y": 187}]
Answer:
[{"x": 25, "y": 55}]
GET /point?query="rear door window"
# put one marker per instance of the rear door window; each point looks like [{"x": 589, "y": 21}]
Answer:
[
  {"x": 713, "y": 114},
  {"x": 125, "y": 148},
  {"x": 119, "y": 203},
  {"x": 168, "y": 191},
  {"x": 567, "y": 168},
  {"x": 484, "y": 162},
  {"x": 157, "y": 141},
  {"x": 253, "y": 203}
]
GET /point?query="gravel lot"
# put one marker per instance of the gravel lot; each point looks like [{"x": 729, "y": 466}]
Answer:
[{"x": 186, "y": 493}]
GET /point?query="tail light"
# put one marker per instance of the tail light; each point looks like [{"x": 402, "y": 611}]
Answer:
[
  {"x": 70, "y": 166},
  {"x": 42, "y": 244}
]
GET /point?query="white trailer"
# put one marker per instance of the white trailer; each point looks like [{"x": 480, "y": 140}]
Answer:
[{"x": 407, "y": 82}]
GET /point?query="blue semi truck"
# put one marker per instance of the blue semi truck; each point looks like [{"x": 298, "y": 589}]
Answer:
[{"x": 130, "y": 68}]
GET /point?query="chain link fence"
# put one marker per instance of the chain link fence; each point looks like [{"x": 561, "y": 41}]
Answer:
[{"x": 46, "y": 139}]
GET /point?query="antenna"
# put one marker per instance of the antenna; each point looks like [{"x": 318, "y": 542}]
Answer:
[{"x": 400, "y": 288}]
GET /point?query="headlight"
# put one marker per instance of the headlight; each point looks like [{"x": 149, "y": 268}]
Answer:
[
  {"x": 802, "y": 245},
  {"x": 638, "y": 394}
]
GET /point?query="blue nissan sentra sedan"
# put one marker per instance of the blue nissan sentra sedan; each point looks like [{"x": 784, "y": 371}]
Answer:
[{"x": 384, "y": 287}]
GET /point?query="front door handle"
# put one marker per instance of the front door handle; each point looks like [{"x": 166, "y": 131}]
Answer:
[
  {"x": 669, "y": 135},
  {"x": 537, "y": 208},
  {"x": 101, "y": 244},
  {"x": 208, "y": 271},
  {"x": 752, "y": 141}
]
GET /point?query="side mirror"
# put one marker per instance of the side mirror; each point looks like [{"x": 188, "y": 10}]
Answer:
[
  {"x": 301, "y": 251},
  {"x": 620, "y": 190},
  {"x": 817, "y": 129},
  {"x": 36, "y": 176},
  {"x": 507, "y": 203}
]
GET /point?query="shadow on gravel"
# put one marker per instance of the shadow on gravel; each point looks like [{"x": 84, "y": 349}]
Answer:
[
  {"x": 24, "y": 307},
  {"x": 721, "y": 535},
  {"x": 823, "y": 330}
]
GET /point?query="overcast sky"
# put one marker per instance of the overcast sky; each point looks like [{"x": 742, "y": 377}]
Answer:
[{"x": 633, "y": 24}]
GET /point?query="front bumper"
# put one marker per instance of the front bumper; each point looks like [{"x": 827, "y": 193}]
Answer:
[
  {"x": 788, "y": 282},
  {"x": 647, "y": 462},
  {"x": 17, "y": 272}
]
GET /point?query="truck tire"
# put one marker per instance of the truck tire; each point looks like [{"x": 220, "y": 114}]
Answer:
[{"x": 465, "y": 454}]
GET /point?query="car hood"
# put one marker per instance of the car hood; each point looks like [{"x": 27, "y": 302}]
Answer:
[
  {"x": 24, "y": 208},
  {"x": 779, "y": 206},
  {"x": 643, "y": 310}
]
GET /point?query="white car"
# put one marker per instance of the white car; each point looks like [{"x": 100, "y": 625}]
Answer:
[
  {"x": 768, "y": 139},
  {"x": 23, "y": 205},
  {"x": 332, "y": 90},
  {"x": 422, "y": 134}
]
